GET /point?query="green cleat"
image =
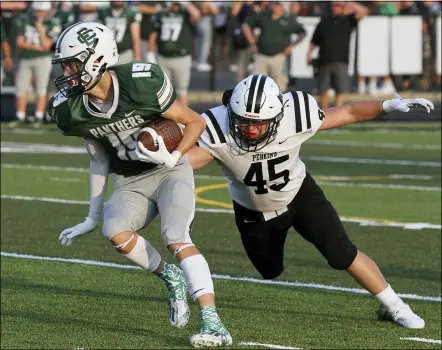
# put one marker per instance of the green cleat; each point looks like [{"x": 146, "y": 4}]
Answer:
[
  {"x": 179, "y": 312},
  {"x": 213, "y": 332}
]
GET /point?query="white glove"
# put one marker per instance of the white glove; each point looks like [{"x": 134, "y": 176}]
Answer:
[
  {"x": 162, "y": 156},
  {"x": 405, "y": 105},
  {"x": 70, "y": 235},
  {"x": 150, "y": 57}
]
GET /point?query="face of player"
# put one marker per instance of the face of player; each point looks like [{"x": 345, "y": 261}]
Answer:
[
  {"x": 255, "y": 129},
  {"x": 40, "y": 16},
  {"x": 69, "y": 69}
]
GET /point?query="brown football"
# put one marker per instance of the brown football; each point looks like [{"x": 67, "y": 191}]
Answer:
[{"x": 168, "y": 129}]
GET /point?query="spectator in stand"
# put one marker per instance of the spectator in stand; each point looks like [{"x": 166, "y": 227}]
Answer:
[
  {"x": 88, "y": 10},
  {"x": 6, "y": 54},
  {"x": 220, "y": 23},
  {"x": 66, "y": 11},
  {"x": 240, "y": 45},
  {"x": 205, "y": 35},
  {"x": 37, "y": 32},
  {"x": 147, "y": 9},
  {"x": 125, "y": 21},
  {"x": 274, "y": 43},
  {"x": 173, "y": 33},
  {"x": 332, "y": 36}
]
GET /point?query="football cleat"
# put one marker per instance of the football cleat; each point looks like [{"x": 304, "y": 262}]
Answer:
[
  {"x": 402, "y": 316},
  {"x": 213, "y": 332},
  {"x": 179, "y": 312}
]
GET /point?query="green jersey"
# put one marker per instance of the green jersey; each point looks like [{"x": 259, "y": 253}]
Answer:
[
  {"x": 142, "y": 91},
  {"x": 26, "y": 27},
  {"x": 175, "y": 33},
  {"x": 120, "y": 21},
  {"x": 275, "y": 34},
  {"x": 146, "y": 22}
]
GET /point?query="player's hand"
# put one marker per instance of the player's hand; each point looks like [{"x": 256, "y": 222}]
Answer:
[
  {"x": 162, "y": 156},
  {"x": 398, "y": 104},
  {"x": 70, "y": 235}
]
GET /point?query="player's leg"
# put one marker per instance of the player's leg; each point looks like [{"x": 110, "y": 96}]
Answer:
[
  {"x": 22, "y": 79},
  {"x": 176, "y": 204},
  {"x": 340, "y": 81},
  {"x": 317, "y": 221},
  {"x": 181, "y": 67},
  {"x": 324, "y": 81},
  {"x": 42, "y": 73},
  {"x": 262, "y": 240},
  {"x": 127, "y": 211}
]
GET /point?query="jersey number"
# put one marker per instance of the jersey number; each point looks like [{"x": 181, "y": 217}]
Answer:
[
  {"x": 141, "y": 70},
  {"x": 255, "y": 176},
  {"x": 170, "y": 31},
  {"x": 125, "y": 143},
  {"x": 118, "y": 26}
]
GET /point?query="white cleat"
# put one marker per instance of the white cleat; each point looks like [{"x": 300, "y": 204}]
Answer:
[
  {"x": 210, "y": 339},
  {"x": 405, "y": 317}
]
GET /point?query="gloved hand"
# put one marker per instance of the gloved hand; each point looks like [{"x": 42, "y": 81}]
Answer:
[
  {"x": 405, "y": 105},
  {"x": 70, "y": 235},
  {"x": 162, "y": 156}
]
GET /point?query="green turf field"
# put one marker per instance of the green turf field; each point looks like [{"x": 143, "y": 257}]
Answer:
[{"x": 384, "y": 180}]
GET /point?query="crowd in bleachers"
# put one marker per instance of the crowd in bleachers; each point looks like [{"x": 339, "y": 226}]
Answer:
[{"x": 242, "y": 36}]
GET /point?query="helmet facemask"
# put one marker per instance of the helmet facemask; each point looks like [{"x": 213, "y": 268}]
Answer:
[
  {"x": 75, "y": 84},
  {"x": 252, "y": 144}
]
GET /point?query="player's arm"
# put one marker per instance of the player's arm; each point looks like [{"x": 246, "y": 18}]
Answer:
[
  {"x": 366, "y": 110},
  {"x": 198, "y": 157},
  {"x": 136, "y": 36},
  {"x": 193, "y": 122},
  {"x": 194, "y": 12},
  {"x": 99, "y": 170}
]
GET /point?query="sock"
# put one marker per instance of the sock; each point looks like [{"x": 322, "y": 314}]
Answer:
[
  {"x": 21, "y": 116},
  {"x": 39, "y": 116},
  {"x": 144, "y": 255},
  {"x": 197, "y": 274},
  {"x": 390, "y": 299}
]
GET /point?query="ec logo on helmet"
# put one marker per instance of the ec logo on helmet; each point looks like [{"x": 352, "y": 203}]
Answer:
[{"x": 87, "y": 37}]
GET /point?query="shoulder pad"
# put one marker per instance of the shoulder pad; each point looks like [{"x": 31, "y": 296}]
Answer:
[
  {"x": 308, "y": 115},
  {"x": 216, "y": 126}
]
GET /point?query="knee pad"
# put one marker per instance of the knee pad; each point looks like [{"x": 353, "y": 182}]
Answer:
[
  {"x": 340, "y": 254},
  {"x": 142, "y": 254}
]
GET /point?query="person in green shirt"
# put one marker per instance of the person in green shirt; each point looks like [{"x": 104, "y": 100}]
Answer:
[
  {"x": 274, "y": 43},
  {"x": 6, "y": 54},
  {"x": 36, "y": 33},
  {"x": 124, "y": 21},
  {"x": 107, "y": 104},
  {"x": 148, "y": 9},
  {"x": 173, "y": 33}
]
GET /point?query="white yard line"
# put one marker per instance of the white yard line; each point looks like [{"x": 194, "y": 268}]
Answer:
[
  {"x": 268, "y": 346},
  {"x": 19, "y": 147},
  {"x": 387, "y": 186},
  {"x": 360, "y": 221},
  {"x": 423, "y": 340},
  {"x": 218, "y": 177},
  {"x": 436, "y": 299},
  {"x": 372, "y": 161},
  {"x": 374, "y": 144},
  {"x": 66, "y": 179}
]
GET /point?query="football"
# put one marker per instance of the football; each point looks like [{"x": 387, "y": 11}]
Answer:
[{"x": 168, "y": 129}]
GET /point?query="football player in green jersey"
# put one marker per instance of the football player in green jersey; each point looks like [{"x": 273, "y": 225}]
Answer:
[
  {"x": 125, "y": 22},
  {"x": 107, "y": 105}
]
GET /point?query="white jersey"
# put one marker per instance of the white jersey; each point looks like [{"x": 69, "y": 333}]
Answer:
[{"x": 266, "y": 180}]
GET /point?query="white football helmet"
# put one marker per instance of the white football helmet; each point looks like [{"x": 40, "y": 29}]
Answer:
[
  {"x": 255, "y": 100},
  {"x": 90, "y": 48}
]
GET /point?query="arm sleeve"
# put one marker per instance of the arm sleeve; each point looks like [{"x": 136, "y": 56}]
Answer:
[
  {"x": 298, "y": 28},
  {"x": 99, "y": 171}
]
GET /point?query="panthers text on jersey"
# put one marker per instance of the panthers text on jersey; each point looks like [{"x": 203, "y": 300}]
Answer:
[
  {"x": 142, "y": 91},
  {"x": 268, "y": 179}
]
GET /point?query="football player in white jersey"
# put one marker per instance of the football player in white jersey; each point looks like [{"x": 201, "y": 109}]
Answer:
[{"x": 256, "y": 136}]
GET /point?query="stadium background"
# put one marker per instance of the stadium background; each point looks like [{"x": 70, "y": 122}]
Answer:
[{"x": 384, "y": 178}]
